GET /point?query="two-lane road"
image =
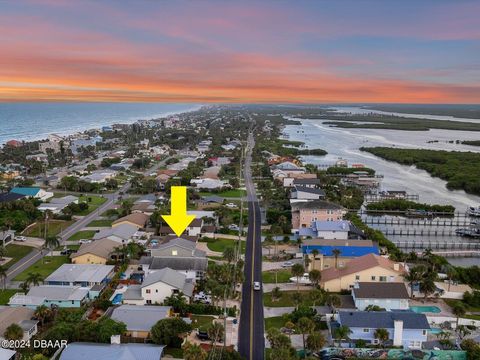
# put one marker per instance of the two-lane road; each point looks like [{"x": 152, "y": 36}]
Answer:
[{"x": 251, "y": 333}]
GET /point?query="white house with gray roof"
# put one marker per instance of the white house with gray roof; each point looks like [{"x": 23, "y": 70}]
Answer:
[
  {"x": 48, "y": 295},
  {"x": 90, "y": 351},
  {"x": 85, "y": 275},
  {"x": 122, "y": 233},
  {"x": 157, "y": 286},
  {"x": 140, "y": 319}
]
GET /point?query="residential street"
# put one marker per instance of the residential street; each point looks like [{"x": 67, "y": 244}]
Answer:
[{"x": 251, "y": 333}]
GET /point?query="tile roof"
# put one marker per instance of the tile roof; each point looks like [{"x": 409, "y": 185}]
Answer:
[
  {"x": 359, "y": 264},
  {"x": 102, "y": 248},
  {"x": 10, "y": 315},
  {"x": 138, "y": 219},
  {"x": 383, "y": 319},
  {"x": 380, "y": 290}
]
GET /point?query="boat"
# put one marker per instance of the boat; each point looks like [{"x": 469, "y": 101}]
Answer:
[
  {"x": 473, "y": 211},
  {"x": 468, "y": 232},
  {"x": 418, "y": 213}
]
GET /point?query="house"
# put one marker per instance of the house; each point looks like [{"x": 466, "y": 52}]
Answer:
[
  {"x": 34, "y": 192},
  {"x": 96, "y": 252},
  {"x": 99, "y": 176},
  {"x": 139, "y": 220},
  {"x": 48, "y": 295},
  {"x": 387, "y": 295},
  {"x": 140, "y": 319},
  {"x": 85, "y": 275},
  {"x": 311, "y": 183},
  {"x": 219, "y": 161},
  {"x": 304, "y": 193},
  {"x": 122, "y": 233},
  {"x": 77, "y": 144},
  {"x": 339, "y": 229},
  {"x": 21, "y": 316},
  {"x": 289, "y": 177},
  {"x": 145, "y": 205},
  {"x": 7, "y": 354},
  {"x": 348, "y": 250},
  {"x": 56, "y": 205},
  {"x": 405, "y": 328},
  {"x": 289, "y": 167},
  {"x": 8, "y": 197},
  {"x": 90, "y": 351},
  {"x": 366, "y": 268},
  {"x": 304, "y": 213},
  {"x": 157, "y": 286},
  {"x": 195, "y": 227},
  {"x": 210, "y": 184},
  {"x": 14, "y": 143}
]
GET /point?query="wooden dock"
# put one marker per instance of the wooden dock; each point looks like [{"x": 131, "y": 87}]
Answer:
[
  {"x": 454, "y": 222},
  {"x": 449, "y": 247}
]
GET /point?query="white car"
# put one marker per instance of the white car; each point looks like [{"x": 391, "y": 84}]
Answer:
[
  {"x": 287, "y": 264},
  {"x": 20, "y": 238},
  {"x": 84, "y": 241},
  {"x": 257, "y": 286},
  {"x": 231, "y": 205},
  {"x": 305, "y": 279},
  {"x": 233, "y": 227}
]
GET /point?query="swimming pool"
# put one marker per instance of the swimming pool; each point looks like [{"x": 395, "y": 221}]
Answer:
[
  {"x": 425, "y": 309},
  {"x": 436, "y": 331},
  {"x": 117, "y": 299}
]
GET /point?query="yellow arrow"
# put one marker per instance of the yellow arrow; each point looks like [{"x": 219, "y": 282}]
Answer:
[{"x": 178, "y": 219}]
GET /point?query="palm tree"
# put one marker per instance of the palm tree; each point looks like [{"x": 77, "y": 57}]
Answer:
[
  {"x": 315, "y": 252},
  {"x": 427, "y": 285},
  {"x": 458, "y": 310},
  {"x": 34, "y": 278},
  {"x": 336, "y": 253},
  {"x": 306, "y": 326},
  {"x": 298, "y": 270},
  {"x": 41, "y": 313},
  {"x": 315, "y": 341},
  {"x": 229, "y": 254},
  {"x": 315, "y": 276},
  {"x": 194, "y": 352},
  {"x": 52, "y": 242},
  {"x": 297, "y": 299},
  {"x": 451, "y": 273},
  {"x": 316, "y": 296},
  {"x": 24, "y": 286},
  {"x": 13, "y": 332},
  {"x": 382, "y": 336},
  {"x": 3, "y": 252},
  {"x": 342, "y": 333},
  {"x": 333, "y": 301},
  {"x": 215, "y": 332},
  {"x": 276, "y": 293},
  {"x": 414, "y": 276},
  {"x": 3, "y": 277},
  {"x": 290, "y": 326}
]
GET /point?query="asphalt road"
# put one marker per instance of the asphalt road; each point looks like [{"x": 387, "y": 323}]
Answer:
[
  {"x": 78, "y": 225},
  {"x": 251, "y": 343}
]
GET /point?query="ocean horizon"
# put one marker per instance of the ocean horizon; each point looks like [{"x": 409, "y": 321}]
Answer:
[{"x": 29, "y": 121}]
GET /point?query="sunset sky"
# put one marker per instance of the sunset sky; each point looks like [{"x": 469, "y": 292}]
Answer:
[{"x": 240, "y": 51}]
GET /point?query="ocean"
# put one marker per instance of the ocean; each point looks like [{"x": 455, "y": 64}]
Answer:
[{"x": 36, "y": 120}]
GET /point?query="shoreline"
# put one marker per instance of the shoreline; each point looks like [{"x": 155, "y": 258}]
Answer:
[{"x": 129, "y": 120}]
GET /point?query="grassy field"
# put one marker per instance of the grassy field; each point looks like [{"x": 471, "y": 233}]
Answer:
[
  {"x": 84, "y": 234},
  {"x": 283, "y": 276},
  {"x": 100, "y": 223},
  {"x": 275, "y": 322},
  {"x": 174, "y": 352},
  {"x": 5, "y": 295},
  {"x": 54, "y": 228},
  {"x": 227, "y": 193},
  {"x": 93, "y": 201},
  {"x": 286, "y": 299},
  {"x": 220, "y": 245},
  {"x": 202, "y": 322},
  {"x": 44, "y": 267},
  {"x": 16, "y": 252}
]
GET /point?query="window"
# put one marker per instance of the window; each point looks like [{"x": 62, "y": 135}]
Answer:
[
  {"x": 375, "y": 341},
  {"x": 373, "y": 278},
  {"x": 383, "y": 278},
  {"x": 147, "y": 291},
  {"x": 357, "y": 277},
  {"x": 366, "y": 330},
  {"x": 149, "y": 302},
  {"x": 156, "y": 290},
  {"x": 424, "y": 332},
  {"x": 73, "y": 301},
  {"x": 174, "y": 252}
]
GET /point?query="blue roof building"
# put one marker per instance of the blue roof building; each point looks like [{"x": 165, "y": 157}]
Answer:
[
  {"x": 89, "y": 351},
  {"x": 26, "y": 191}
]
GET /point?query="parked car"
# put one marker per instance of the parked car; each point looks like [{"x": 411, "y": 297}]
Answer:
[
  {"x": 67, "y": 251},
  {"x": 257, "y": 285},
  {"x": 20, "y": 238},
  {"x": 84, "y": 241},
  {"x": 202, "y": 298},
  {"x": 233, "y": 227},
  {"x": 287, "y": 264},
  {"x": 202, "y": 335},
  {"x": 231, "y": 205}
]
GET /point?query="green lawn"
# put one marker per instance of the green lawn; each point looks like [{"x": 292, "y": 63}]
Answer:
[
  {"x": 177, "y": 353},
  {"x": 72, "y": 247},
  {"x": 227, "y": 193},
  {"x": 285, "y": 300},
  {"x": 84, "y": 234},
  {"x": 100, "y": 223},
  {"x": 54, "y": 228},
  {"x": 283, "y": 276},
  {"x": 221, "y": 244},
  {"x": 274, "y": 322},
  {"x": 5, "y": 295},
  {"x": 44, "y": 267},
  {"x": 16, "y": 252},
  {"x": 453, "y": 302},
  {"x": 93, "y": 201},
  {"x": 202, "y": 322}
]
